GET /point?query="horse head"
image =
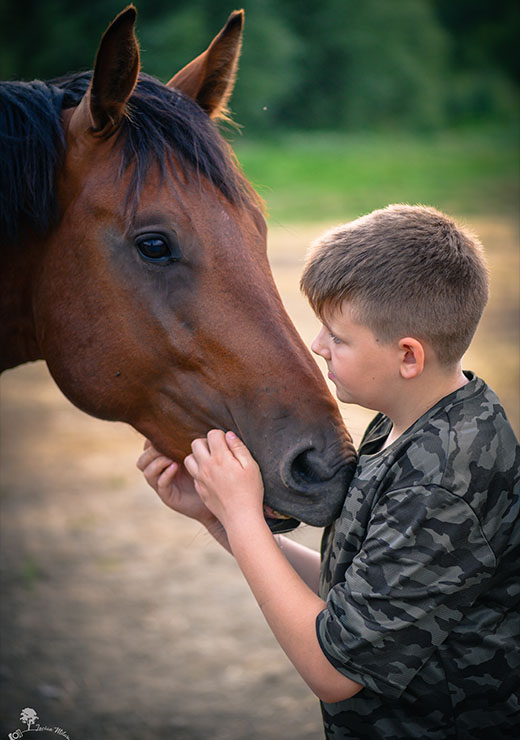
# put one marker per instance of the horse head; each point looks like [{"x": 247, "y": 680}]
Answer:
[{"x": 150, "y": 296}]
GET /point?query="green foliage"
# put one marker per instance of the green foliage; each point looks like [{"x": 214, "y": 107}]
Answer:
[
  {"x": 340, "y": 65},
  {"x": 174, "y": 37},
  {"x": 169, "y": 41},
  {"x": 48, "y": 39},
  {"x": 269, "y": 69},
  {"x": 394, "y": 50},
  {"x": 373, "y": 63}
]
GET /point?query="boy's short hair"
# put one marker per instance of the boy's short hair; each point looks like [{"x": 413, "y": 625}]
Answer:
[{"x": 406, "y": 271}]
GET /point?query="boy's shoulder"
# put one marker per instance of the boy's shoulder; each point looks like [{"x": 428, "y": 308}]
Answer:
[
  {"x": 470, "y": 434},
  {"x": 469, "y": 427},
  {"x": 464, "y": 446}
]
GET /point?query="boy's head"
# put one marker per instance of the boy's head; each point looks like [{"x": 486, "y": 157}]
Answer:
[{"x": 405, "y": 271}]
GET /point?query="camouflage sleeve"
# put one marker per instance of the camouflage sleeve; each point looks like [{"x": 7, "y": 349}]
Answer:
[{"x": 424, "y": 560}]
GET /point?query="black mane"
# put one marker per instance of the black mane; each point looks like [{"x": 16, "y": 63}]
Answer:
[{"x": 160, "y": 122}]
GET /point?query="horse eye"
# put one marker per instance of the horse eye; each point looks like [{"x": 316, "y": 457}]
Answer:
[{"x": 154, "y": 248}]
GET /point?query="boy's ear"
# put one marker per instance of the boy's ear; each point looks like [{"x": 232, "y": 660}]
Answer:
[{"x": 412, "y": 357}]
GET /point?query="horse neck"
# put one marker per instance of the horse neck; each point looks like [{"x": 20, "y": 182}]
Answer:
[{"x": 19, "y": 264}]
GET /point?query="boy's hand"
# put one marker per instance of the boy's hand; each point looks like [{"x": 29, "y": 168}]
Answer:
[
  {"x": 173, "y": 484},
  {"x": 226, "y": 477}
]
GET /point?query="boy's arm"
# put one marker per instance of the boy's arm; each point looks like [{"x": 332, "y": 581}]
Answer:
[
  {"x": 228, "y": 481},
  {"x": 289, "y": 606},
  {"x": 306, "y": 562}
]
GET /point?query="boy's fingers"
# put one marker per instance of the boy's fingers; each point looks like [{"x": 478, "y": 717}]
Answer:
[
  {"x": 145, "y": 459},
  {"x": 190, "y": 463},
  {"x": 142, "y": 461},
  {"x": 238, "y": 448},
  {"x": 200, "y": 449},
  {"x": 147, "y": 444},
  {"x": 165, "y": 479},
  {"x": 155, "y": 468},
  {"x": 147, "y": 456},
  {"x": 216, "y": 441}
]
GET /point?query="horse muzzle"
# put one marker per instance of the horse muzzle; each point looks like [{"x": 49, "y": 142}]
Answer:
[
  {"x": 309, "y": 486},
  {"x": 279, "y": 523}
]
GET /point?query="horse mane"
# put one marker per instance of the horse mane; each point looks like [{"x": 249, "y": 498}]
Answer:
[
  {"x": 160, "y": 122},
  {"x": 31, "y": 146}
]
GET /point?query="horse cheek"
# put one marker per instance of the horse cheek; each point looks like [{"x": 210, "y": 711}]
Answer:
[{"x": 73, "y": 328}]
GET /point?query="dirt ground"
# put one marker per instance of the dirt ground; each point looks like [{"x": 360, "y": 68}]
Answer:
[{"x": 123, "y": 621}]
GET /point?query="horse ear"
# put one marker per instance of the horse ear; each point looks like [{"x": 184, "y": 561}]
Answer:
[
  {"x": 115, "y": 71},
  {"x": 115, "y": 75},
  {"x": 209, "y": 79}
]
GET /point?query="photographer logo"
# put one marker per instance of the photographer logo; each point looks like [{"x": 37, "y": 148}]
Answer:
[{"x": 28, "y": 716}]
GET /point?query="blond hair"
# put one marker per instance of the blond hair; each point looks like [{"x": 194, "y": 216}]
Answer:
[{"x": 406, "y": 271}]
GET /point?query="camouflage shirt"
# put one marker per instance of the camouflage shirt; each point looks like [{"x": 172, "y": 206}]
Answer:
[{"x": 420, "y": 574}]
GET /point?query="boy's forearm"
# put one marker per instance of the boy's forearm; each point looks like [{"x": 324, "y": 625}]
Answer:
[
  {"x": 218, "y": 533},
  {"x": 229, "y": 483},
  {"x": 306, "y": 562},
  {"x": 289, "y": 606}
]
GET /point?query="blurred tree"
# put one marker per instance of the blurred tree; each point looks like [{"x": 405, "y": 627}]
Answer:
[
  {"x": 370, "y": 64},
  {"x": 482, "y": 56},
  {"x": 483, "y": 33},
  {"x": 335, "y": 65},
  {"x": 51, "y": 38},
  {"x": 268, "y": 70}
]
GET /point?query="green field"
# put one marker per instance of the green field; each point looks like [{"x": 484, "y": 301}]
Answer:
[{"x": 326, "y": 177}]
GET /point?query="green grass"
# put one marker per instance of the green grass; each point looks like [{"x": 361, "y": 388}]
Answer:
[{"x": 327, "y": 177}]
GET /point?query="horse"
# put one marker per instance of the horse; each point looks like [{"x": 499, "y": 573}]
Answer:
[{"x": 134, "y": 262}]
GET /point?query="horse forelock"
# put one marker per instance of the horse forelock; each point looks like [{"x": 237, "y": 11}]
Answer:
[{"x": 160, "y": 122}]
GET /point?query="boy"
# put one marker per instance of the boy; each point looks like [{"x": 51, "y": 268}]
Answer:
[{"x": 414, "y": 632}]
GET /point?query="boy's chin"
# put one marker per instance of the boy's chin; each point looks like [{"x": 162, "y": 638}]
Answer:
[
  {"x": 341, "y": 393},
  {"x": 345, "y": 396}
]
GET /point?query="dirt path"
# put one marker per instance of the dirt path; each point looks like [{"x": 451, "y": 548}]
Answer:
[{"x": 122, "y": 621}]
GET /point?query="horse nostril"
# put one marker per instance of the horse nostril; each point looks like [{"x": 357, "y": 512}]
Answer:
[
  {"x": 315, "y": 478},
  {"x": 308, "y": 468},
  {"x": 313, "y": 471}
]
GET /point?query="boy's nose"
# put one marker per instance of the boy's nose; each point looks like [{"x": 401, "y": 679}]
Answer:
[{"x": 318, "y": 346}]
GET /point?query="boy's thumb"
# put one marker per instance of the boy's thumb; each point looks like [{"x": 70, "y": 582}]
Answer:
[{"x": 238, "y": 448}]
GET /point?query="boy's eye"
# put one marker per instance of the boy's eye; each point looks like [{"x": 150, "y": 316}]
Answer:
[{"x": 334, "y": 338}]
